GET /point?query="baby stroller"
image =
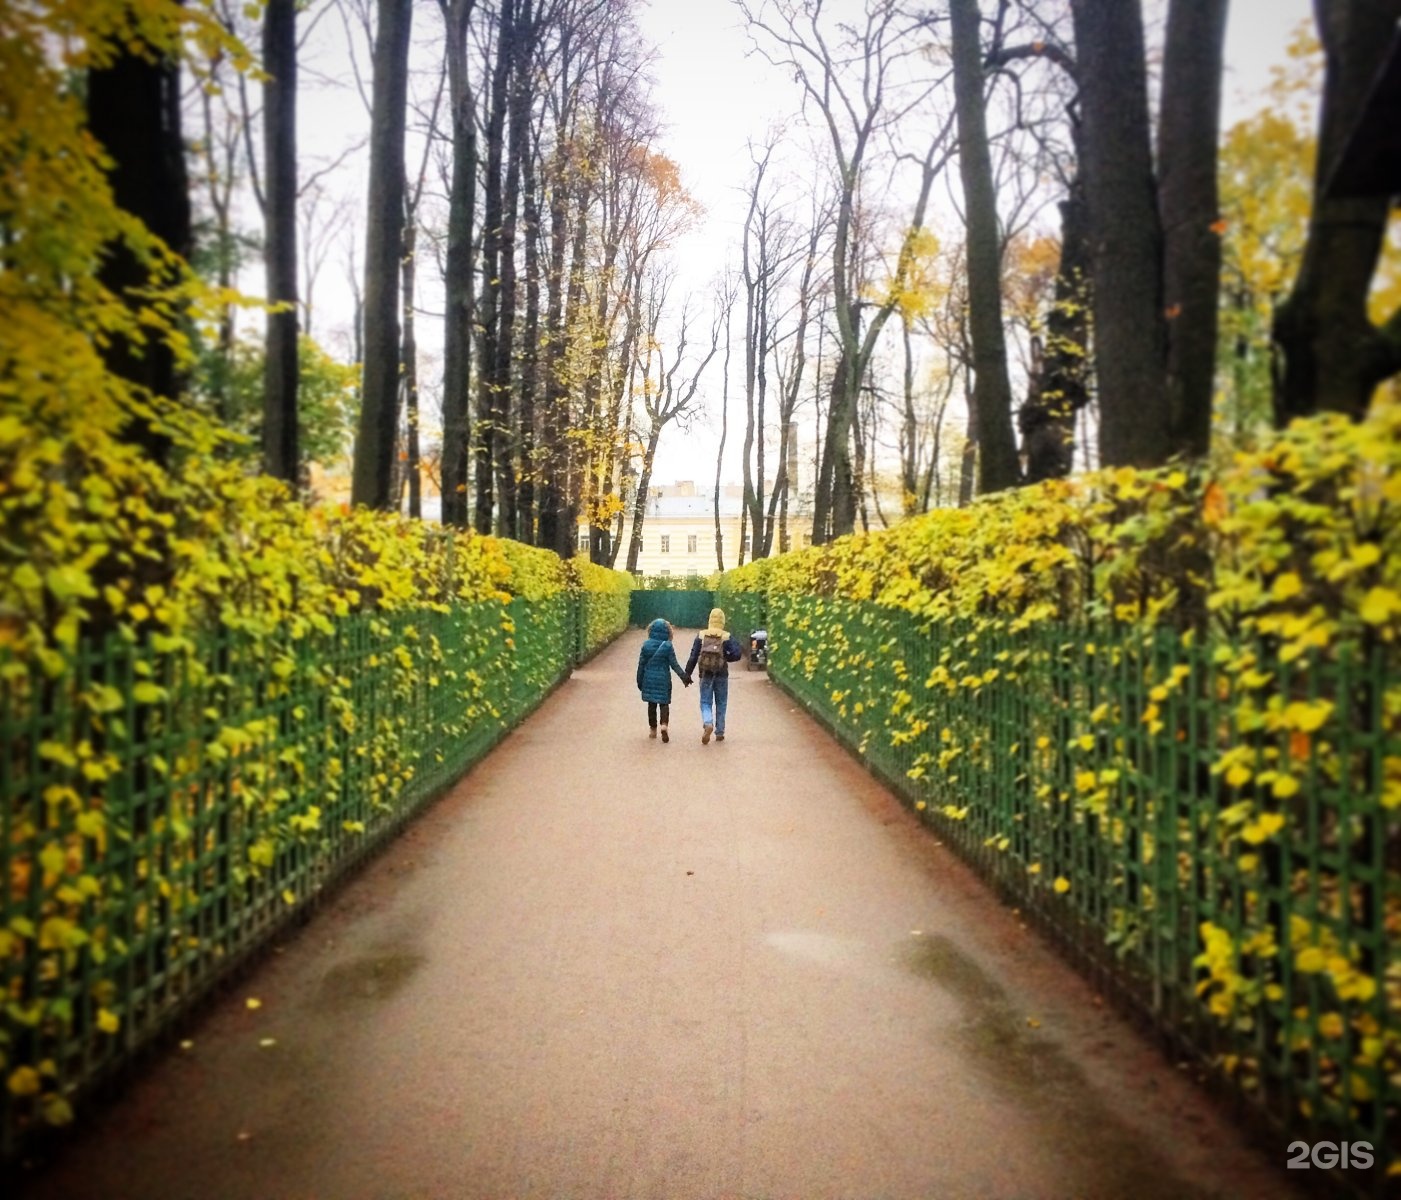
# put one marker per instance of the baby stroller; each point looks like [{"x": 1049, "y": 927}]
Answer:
[{"x": 758, "y": 657}]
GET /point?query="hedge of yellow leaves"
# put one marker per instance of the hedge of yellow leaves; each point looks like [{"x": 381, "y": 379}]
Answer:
[
  {"x": 214, "y": 696},
  {"x": 1165, "y": 706}
]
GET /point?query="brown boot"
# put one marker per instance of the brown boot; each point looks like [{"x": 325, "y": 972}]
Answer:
[
  {"x": 706, "y": 731},
  {"x": 666, "y": 737},
  {"x": 651, "y": 733}
]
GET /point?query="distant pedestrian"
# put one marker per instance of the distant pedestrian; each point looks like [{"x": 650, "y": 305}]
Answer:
[
  {"x": 655, "y": 664},
  {"x": 713, "y": 652}
]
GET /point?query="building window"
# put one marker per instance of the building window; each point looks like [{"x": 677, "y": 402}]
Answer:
[
  {"x": 690, "y": 543},
  {"x": 584, "y": 540},
  {"x": 807, "y": 539},
  {"x": 664, "y": 573},
  {"x": 747, "y": 543},
  {"x": 666, "y": 544}
]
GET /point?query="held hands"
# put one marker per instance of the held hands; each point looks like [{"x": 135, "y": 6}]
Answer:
[{"x": 686, "y": 679}]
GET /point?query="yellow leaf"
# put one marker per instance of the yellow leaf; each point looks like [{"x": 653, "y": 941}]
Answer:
[
  {"x": 1307, "y": 717},
  {"x": 253, "y": 1003},
  {"x": 1263, "y": 828},
  {"x": 1379, "y": 606},
  {"x": 108, "y": 1021},
  {"x": 24, "y": 1081},
  {"x": 1310, "y": 961},
  {"x": 1061, "y": 885}
]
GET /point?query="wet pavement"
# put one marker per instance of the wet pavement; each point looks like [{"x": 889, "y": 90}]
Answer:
[{"x": 604, "y": 966}]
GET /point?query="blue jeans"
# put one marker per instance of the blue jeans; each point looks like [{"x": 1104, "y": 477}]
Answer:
[{"x": 715, "y": 692}]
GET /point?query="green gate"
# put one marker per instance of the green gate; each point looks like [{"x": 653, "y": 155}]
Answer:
[{"x": 685, "y": 610}]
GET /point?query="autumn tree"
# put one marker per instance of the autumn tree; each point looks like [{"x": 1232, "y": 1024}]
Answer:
[
  {"x": 379, "y": 410},
  {"x": 669, "y": 384},
  {"x": 1335, "y": 353},
  {"x": 457, "y": 276},
  {"x": 997, "y": 450},
  {"x": 281, "y": 457},
  {"x": 133, "y": 112},
  {"x": 860, "y": 79},
  {"x": 1153, "y": 324}
]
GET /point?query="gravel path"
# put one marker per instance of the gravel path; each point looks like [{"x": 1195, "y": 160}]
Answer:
[{"x": 608, "y": 967}]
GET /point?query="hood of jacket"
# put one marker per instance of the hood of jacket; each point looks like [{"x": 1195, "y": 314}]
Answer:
[{"x": 660, "y": 630}]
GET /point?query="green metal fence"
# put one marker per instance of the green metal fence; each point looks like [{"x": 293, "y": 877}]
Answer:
[
  {"x": 1228, "y": 856},
  {"x": 165, "y": 807},
  {"x": 684, "y": 609}
]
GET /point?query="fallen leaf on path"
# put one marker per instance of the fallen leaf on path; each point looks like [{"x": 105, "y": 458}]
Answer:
[
  {"x": 187, "y": 1045},
  {"x": 267, "y": 1042},
  {"x": 253, "y": 1003},
  {"x": 1033, "y": 1023}
]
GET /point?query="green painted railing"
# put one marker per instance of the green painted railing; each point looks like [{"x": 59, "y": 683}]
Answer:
[
  {"x": 165, "y": 808},
  {"x": 1231, "y": 866},
  {"x": 684, "y": 609}
]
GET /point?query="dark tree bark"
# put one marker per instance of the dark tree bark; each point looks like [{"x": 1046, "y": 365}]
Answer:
[
  {"x": 1334, "y": 356},
  {"x": 1189, "y": 127},
  {"x": 457, "y": 275},
  {"x": 489, "y": 431},
  {"x": 724, "y": 433},
  {"x": 998, "y": 467},
  {"x": 1126, "y": 235},
  {"x": 413, "y": 462},
  {"x": 134, "y": 113},
  {"x": 1058, "y": 387},
  {"x": 510, "y": 435},
  {"x": 372, "y": 479},
  {"x": 281, "y": 458},
  {"x": 530, "y": 358},
  {"x": 555, "y": 531}
]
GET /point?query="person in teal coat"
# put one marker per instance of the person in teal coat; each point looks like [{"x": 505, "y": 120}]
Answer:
[{"x": 655, "y": 664}]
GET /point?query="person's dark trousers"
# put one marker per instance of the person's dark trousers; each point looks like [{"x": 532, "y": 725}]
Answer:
[{"x": 652, "y": 714}]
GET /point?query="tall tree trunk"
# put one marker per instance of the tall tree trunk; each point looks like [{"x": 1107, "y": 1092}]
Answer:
[
  {"x": 489, "y": 432},
  {"x": 411, "y": 444},
  {"x": 379, "y": 408},
  {"x": 570, "y": 471},
  {"x": 1334, "y": 356},
  {"x": 457, "y": 276},
  {"x": 1126, "y": 235},
  {"x": 554, "y": 532},
  {"x": 219, "y": 157},
  {"x": 280, "y": 451},
  {"x": 530, "y": 361},
  {"x": 644, "y": 484},
  {"x": 720, "y": 454},
  {"x": 997, "y": 446},
  {"x": 909, "y": 457},
  {"x": 1189, "y": 126},
  {"x": 1058, "y": 388},
  {"x": 509, "y": 433},
  {"x": 133, "y": 110}
]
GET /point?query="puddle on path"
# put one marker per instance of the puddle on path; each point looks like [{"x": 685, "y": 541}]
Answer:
[
  {"x": 373, "y": 977},
  {"x": 1108, "y": 1158}
]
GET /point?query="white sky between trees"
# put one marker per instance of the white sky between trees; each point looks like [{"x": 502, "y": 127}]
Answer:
[{"x": 714, "y": 98}]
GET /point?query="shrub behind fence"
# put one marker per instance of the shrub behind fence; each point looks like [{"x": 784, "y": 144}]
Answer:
[
  {"x": 166, "y": 806},
  {"x": 1213, "y": 828}
]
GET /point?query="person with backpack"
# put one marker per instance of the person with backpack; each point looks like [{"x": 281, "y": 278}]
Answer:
[
  {"x": 713, "y": 652},
  {"x": 654, "y": 666}
]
